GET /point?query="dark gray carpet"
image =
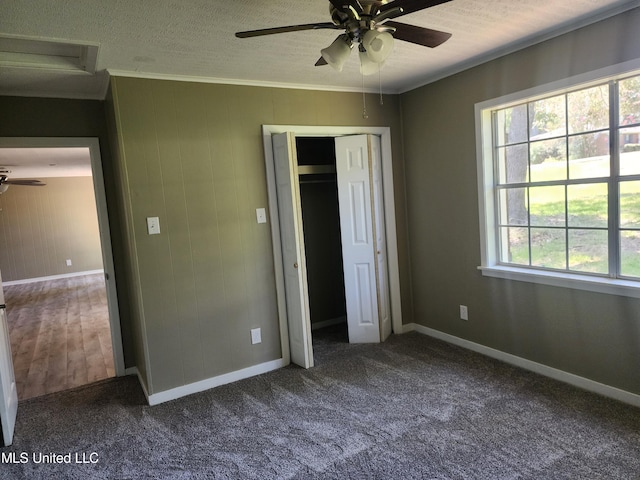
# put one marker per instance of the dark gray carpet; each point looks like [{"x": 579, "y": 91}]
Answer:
[{"x": 413, "y": 407}]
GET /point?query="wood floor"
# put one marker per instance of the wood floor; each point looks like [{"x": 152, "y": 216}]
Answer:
[{"x": 60, "y": 336}]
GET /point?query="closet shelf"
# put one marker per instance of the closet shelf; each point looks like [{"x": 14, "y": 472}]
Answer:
[{"x": 315, "y": 169}]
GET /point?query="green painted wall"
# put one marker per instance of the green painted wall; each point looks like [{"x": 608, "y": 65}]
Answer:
[
  {"x": 192, "y": 155},
  {"x": 596, "y": 336}
]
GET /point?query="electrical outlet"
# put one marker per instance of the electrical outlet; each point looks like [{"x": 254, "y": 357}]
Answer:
[
  {"x": 68, "y": 262},
  {"x": 464, "y": 312},
  {"x": 256, "y": 336},
  {"x": 153, "y": 225}
]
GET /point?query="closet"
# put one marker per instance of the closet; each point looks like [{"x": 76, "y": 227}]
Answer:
[
  {"x": 316, "y": 158},
  {"x": 355, "y": 234}
]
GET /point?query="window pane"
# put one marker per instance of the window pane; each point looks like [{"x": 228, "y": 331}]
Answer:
[
  {"x": 513, "y": 163},
  {"x": 630, "y": 151},
  {"x": 588, "y": 109},
  {"x": 630, "y": 204},
  {"x": 547, "y": 206},
  {"x": 588, "y": 251},
  {"x": 515, "y": 245},
  {"x": 513, "y": 206},
  {"x": 629, "y": 98},
  {"x": 548, "y": 118},
  {"x": 512, "y": 125},
  {"x": 589, "y": 155},
  {"x": 549, "y": 160},
  {"x": 548, "y": 248},
  {"x": 588, "y": 205},
  {"x": 630, "y": 253}
]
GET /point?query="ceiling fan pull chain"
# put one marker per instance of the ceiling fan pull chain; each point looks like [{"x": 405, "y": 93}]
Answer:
[
  {"x": 380, "y": 85},
  {"x": 364, "y": 101}
]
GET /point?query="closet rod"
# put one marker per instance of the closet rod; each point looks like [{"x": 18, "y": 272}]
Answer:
[{"x": 326, "y": 180}]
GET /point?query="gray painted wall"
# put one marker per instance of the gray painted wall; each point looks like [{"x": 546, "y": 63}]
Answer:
[{"x": 596, "y": 336}]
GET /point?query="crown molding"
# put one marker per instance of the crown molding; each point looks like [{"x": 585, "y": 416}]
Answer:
[{"x": 248, "y": 83}]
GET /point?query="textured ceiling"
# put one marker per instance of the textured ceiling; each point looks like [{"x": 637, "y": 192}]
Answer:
[
  {"x": 195, "y": 38},
  {"x": 45, "y": 162}
]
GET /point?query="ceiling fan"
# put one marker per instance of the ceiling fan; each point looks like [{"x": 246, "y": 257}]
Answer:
[
  {"x": 367, "y": 24},
  {"x": 5, "y": 182}
]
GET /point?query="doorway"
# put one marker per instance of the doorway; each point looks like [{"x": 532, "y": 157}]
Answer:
[
  {"x": 295, "y": 340},
  {"x": 316, "y": 158},
  {"x": 81, "y": 341}
]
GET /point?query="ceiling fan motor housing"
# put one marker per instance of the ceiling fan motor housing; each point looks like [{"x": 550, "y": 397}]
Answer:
[{"x": 357, "y": 24}]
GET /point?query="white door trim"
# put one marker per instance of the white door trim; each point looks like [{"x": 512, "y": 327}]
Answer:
[
  {"x": 103, "y": 222},
  {"x": 389, "y": 212}
]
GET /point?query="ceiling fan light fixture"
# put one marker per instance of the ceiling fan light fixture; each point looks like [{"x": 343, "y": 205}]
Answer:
[
  {"x": 368, "y": 66},
  {"x": 337, "y": 53},
  {"x": 378, "y": 45}
]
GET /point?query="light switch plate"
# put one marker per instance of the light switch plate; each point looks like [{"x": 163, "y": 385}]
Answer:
[
  {"x": 256, "y": 336},
  {"x": 153, "y": 225},
  {"x": 261, "y": 215}
]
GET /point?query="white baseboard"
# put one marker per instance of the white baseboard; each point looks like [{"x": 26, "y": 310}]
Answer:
[
  {"x": 51, "y": 277},
  {"x": 328, "y": 323},
  {"x": 561, "y": 375},
  {"x": 183, "y": 391}
]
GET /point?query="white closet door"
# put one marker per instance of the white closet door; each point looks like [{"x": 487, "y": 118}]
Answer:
[
  {"x": 384, "y": 307},
  {"x": 8, "y": 389},
  {"x": 293, "y": 256},
  {"x": 358, "y": 238}
]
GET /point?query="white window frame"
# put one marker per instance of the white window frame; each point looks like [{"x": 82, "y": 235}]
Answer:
[{"x": 490, "y": 265}]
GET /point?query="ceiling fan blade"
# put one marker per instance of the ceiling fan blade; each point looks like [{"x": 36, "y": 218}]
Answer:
[
  {"x": 290, "y": 28},
  {"x": 30, "y": 183},
  {"x": 408, "y": 6},
  {"x": 321, "y": 61},
  {"x": 419, "y": 35}
]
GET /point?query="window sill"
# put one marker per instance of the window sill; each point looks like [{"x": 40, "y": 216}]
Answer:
[{"x": 624, "y": 288}]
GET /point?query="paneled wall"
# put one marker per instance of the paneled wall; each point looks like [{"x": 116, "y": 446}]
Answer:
[
  {"x": 596, "y": 336},
  {"x": 42, "y": 227},
  {"x": 192, "y": 155}
]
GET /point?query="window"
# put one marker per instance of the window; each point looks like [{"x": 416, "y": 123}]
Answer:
[{"x": 560, "y": 186}]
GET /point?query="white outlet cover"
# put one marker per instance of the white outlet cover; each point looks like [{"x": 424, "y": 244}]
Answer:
[
  {"x": 153, "y": 225},
  {"x": 261, "y": 215}
]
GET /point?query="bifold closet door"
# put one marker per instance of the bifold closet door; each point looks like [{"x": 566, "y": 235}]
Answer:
[
  {"x": 293, "y": 255},
  {"x": 358, "y": 231}
]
